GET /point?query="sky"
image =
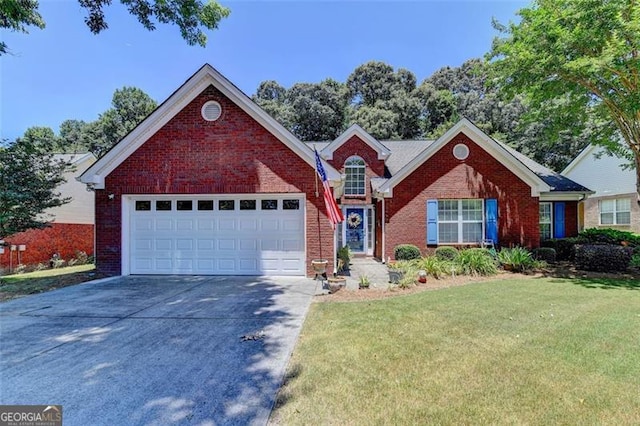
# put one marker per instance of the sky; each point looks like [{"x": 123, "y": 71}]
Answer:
[{"x": 66, "y": 72}]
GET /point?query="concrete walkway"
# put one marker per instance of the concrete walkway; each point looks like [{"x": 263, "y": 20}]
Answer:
[{"x": 375, "y": 270}]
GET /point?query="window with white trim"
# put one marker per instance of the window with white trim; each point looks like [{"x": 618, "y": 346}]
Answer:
[
  {"x": 546, "y": 221},
  {"x": 615, "y": 212},
  {"x": 354, "y": 169},
  {"x": 460, "y": 221}
]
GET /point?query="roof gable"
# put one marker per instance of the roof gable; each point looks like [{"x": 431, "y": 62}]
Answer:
[
  {"x": 355, "y": 130},
  {"x": 495, "y": 149},
  {"x": 206, "y": 76}
]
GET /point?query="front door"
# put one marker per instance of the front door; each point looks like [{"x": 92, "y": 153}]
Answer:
[{"x": 355, "y": 229}]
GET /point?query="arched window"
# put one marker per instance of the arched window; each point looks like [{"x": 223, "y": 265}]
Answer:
[{"x": 354, "y": 169}]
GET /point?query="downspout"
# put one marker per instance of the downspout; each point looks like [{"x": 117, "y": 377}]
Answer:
[{"x": 384, "y": 239}]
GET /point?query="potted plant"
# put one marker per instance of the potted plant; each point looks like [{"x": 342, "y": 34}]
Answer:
[
  {"x": 364, "y": 282},
  {"x": 396, "y": 272},
  {"x": 336, "y": 283},
  {"x": 320, "y": 267}
]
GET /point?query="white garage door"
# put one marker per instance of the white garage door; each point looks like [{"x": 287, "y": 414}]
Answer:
[{"x": 214, "y": 235}]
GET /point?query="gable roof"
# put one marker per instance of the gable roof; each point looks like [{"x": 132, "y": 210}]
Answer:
[
  {"x": 355, "y": 130},
  {"x": 495, "y": 149},
  {"x": 190, "y": 89}
]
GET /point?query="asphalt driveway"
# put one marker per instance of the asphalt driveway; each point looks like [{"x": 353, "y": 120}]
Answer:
[{"x": 153, "y": 350}]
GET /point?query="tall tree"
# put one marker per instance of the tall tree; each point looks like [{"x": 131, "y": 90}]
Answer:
[
  {"x": 130, "y": 106},
  {"x": 191, "y": 16},
  {"x": 579, "y": 62},
  {"x": 29, "y": 177},
  {"x": 379, "y": 93}
]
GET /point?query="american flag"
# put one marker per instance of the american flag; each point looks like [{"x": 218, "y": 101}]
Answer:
[{"x": 334, "y": 212}]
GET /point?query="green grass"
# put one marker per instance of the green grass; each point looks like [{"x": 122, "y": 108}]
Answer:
[
  {"x": 49, "y": 279},
  {"x": 518, "y": 351}
]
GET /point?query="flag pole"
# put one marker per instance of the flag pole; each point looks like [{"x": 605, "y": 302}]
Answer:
[{"x": 317, "y": 194}]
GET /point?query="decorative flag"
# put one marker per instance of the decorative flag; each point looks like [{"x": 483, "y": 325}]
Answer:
[{"x": 334, "y": 212}]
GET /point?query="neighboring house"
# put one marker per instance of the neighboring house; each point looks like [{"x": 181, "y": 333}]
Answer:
[
  {"x": 615, "y": 202},
  {"x": 72, "y": 227},
  {"x": 209, "y": 183}
]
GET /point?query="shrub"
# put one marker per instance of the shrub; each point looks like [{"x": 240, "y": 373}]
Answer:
[
  {"x": 517, "y": 258},
  {"x": 446, "y": 253},
  {"x": 56, "y": 261},
  {"x": 546, "y": 254},
  {"x": 610, "y": 236},
  {"x": 635, "y": 260},
  {"x": 564, "y": 247},
  {"x": 603, "y": 257},
  {"x": 81, "y": 257},
  {"x": 435, "y": 267},
  {"x": 476, "y": 261},
  {"x": 406, "y": 252}
]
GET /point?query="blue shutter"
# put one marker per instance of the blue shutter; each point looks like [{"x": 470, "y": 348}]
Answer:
[
  {"x": 432, "y": 221},
  {"x": 558, "y": 220},
  {"x": 491, "y": 219}
]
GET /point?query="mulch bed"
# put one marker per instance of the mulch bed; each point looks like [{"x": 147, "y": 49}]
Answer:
[{"x": 558, "y": 270}]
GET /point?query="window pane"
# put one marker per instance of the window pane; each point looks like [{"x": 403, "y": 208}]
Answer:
[
  {"x": 623, "y": 205},
  {"x": 471, "y": 232},
  {"x": 247, "y": 204},
  {"x": 607, "y": 206},
  {"x": 143, "y": 205},
  {"x": 545, "y": 231},
  {"x": 291, "y": 204},
  {"x": 354, "y": 169},
  {"x": 606, "y": 218},
  {"x": 163, "y": 205},
  {"x": 205, "y": 204},
  {"x": 472, "y": 210},
  {"x": 226, "y": 205},
  {"x": 448, "y": 210},
  {"x": 184, "y": 205},
  {"x": 447, "y": 232},
  {"x": 269, "y": 204},
  {"x": 545, "y": 212},
  {"x": 623, "y": 218}
]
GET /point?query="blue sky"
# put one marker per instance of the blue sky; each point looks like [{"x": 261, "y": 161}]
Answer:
[{"x": 66, "y": 72}]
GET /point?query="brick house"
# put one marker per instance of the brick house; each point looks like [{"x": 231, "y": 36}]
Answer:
[
  {"x": 71, "y": 226},
  {"x": 211, "y": 184}
]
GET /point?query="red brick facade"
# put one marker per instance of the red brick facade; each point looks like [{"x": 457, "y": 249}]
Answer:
[
  {"x": 233, "y": 155},
  {"x": 64, "y": 239},
  {"x": 479, "y": 176}
]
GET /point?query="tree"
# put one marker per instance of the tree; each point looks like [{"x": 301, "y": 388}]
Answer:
[
  {"x": 377, "y": 93},
  {"x": 29, "y": 176},
  {"x": 130, "y": 106},
  {"x": 191, "y": 16},
  {"x": 579, "y": 63}
]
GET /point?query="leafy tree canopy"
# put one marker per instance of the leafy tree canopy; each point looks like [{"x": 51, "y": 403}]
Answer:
[
  {"x": 29, "y": 177},
  {"x": 191, "y": 16},
  {"x": 578, "y": 64}
]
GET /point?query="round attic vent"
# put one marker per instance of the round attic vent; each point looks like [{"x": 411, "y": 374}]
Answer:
[
  {"x": 461, "y": 151},
  {"x": 211, "y": 111}
]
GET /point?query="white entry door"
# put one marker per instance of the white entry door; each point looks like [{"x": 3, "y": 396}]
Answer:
[{"x": 215, "y": 235}]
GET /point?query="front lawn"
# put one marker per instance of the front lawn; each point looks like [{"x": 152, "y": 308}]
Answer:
[
  {"x": 511, "y": 351},
  {"x": 12, "y": 286}
]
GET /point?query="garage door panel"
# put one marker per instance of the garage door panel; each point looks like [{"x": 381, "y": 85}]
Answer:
[
  {"x": 164, "y": 224},
  {"x": 164, "y": 244},
  {"x": 184, "y": 244},
  {"x": 223, "y": 242},
  {"x": 247, "y": 244},
  {"x": 227, "y": 224},
  {"x": 184, "y": 225},
  {"x": 226, "y": 244}
]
